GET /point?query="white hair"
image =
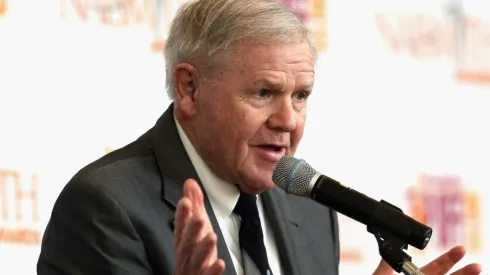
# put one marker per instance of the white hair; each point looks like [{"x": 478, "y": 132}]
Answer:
[{"x": 204, "y": 32}]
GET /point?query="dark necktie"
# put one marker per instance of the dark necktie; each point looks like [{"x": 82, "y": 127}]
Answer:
[{"x": 250, "y": 235}]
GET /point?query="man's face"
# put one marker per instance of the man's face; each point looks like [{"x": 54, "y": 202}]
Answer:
[{"x": 254, "y": 113}]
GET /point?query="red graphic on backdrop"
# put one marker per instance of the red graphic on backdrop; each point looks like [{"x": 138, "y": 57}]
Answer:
[
  {"x": 19, "y": 208},
  {"x": 454, "y": 213}
]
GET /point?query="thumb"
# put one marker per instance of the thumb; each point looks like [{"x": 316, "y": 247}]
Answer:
[{"x": 383, "y": 269}]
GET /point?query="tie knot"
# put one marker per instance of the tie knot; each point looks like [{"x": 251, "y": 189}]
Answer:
[{"x": 246, "y": 206}]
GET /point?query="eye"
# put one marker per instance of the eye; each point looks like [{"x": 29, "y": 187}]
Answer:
[
  {"x": 301, "y": 95},
  {"x": 264, "y": 93}
]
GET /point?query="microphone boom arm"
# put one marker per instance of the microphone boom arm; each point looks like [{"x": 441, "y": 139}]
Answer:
[{"x": 391, "y": 249}]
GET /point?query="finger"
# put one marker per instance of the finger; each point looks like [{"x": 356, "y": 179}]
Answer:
[
  {"x": 383, "y": 268},
  {"x": 193, "y": 191},
  {"x": 190, "y": 238},
  {"x": 182, "y": 217},
  {"x": 471, "y": 269},
  {"x": 445, "y": 262},
  {"x": 217, "y": 268},
  {"x": 192, "y": 235},
  {"x": 202, "y": 256}
]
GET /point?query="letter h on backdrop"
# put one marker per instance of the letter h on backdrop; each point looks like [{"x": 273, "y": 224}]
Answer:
[{"x": 14, "y": 194}]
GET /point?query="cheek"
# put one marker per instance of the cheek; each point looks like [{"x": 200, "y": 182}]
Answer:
[
  {"x": 297, "y": 134},
  {"x": 247, "y": 122},
  {"x": 227, "y": 127},
  {"x": 244, "y": 132}
]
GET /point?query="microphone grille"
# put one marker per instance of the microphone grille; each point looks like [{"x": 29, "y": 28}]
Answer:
[{"x": 293, "y": 175}]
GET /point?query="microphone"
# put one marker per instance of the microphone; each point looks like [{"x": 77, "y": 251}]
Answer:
[{"x": 297, "y": 177}]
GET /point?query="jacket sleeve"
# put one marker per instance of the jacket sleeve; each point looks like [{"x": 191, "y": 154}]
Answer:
[{"x": 89, "y": 233}]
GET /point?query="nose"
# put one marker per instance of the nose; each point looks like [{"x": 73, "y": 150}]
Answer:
[{"x": 283, "y": 118}]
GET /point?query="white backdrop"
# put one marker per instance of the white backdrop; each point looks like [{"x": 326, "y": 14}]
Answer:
[{"x": 393, "y": 114}]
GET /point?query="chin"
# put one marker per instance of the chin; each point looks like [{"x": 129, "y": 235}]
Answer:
[
  {"x": 255, "y": 179},
  {"x": 252, "y": 190},
  {"x": 255, "y": 187}
]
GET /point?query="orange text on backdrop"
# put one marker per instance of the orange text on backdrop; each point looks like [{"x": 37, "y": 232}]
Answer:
[
  {"x": 3, "y": 7},
  {"x": 19, "y": 208}
]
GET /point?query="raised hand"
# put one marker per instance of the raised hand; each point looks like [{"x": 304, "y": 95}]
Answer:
[
  {"x": 439, "y": 266},
  {"x": 194, "y": 238}
]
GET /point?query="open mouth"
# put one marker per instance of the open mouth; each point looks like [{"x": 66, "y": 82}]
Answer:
[
  {"x": 271, "y": 153},
  {"x": 271, "y": 148}
]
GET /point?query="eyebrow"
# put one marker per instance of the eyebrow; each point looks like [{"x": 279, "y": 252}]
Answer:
[
  {"x": 276, "y": 85},
  {"x": 305, "y": 87},
  {"x": 279, "y": 86}
]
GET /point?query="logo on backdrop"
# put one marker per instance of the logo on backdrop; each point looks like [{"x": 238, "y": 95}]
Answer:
[
  {"x": 158, "y": 14},
  {"x": 442, "y": 202},
  {"x": 454, "y": 35},
  {"x": 19, "y": 209}
]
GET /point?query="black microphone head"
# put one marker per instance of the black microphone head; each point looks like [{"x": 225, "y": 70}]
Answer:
[{"x": 294, "y": 176}]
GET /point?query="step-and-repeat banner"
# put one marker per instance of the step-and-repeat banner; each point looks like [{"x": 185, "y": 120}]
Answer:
[{"x": 399, "y": 112}]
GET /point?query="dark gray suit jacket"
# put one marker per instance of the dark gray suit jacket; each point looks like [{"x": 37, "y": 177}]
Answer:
[{"x": 115, "y": 216}]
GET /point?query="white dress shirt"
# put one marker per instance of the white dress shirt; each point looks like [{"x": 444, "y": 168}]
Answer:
[{"x": 223, "y": 197}]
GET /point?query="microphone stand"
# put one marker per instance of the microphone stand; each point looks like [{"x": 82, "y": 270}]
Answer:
[{"x": 391, "y": 250}]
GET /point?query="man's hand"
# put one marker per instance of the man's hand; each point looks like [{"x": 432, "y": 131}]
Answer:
[
  {"x": 194, "y": 238},
  {"x": 439, "y": 266}
]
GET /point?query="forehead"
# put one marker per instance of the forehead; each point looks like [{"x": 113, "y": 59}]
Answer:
[{"x": 291, "y": 59}]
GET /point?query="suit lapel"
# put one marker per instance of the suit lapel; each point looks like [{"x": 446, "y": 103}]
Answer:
[
  {"x": 283, "y": 224},
  {"x": 175, "y": 167}
]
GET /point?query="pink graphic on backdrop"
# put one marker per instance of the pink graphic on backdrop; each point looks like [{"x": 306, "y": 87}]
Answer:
[
  {"x": 300, "y": 7},
  {"x": 443, "y": 203}
]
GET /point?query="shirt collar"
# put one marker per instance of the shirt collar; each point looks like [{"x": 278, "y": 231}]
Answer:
[{"x": 222, "y": 195}]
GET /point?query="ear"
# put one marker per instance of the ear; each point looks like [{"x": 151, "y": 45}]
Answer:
[{"x": 185, "y": 78}]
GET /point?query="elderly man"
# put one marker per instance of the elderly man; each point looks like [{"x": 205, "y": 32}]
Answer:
[{"x": 182, "y": 199}]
